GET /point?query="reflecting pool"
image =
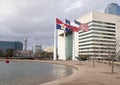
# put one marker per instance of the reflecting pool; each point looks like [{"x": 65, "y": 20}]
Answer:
[{"x": 31, "y": 73}]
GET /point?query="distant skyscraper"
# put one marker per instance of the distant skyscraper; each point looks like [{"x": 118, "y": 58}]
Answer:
[
  {"x": 16, "y": 45},
  {"x": 113, "y": 8},
  {"x": 25, "y": 44}
]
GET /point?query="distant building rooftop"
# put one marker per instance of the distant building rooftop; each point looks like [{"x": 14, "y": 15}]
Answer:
[
  {"x": 16, "y": 45},
  {"x": 112, "y": 8}
]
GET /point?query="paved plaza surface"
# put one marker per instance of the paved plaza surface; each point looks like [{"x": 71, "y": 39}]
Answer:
[{"x": 87, "y": 74}]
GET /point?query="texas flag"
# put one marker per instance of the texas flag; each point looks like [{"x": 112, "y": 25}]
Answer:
[
  {"x": 72, "y": 28},
  {"x": 68, "y": 23}
]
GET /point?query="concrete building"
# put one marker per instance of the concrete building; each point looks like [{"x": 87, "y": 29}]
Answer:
[
  {"x": 98, "y": 41},
  {"x": 37, "y": 48},
  {"x": 67, "y": 45},
  {"x": 49, "y": 49}
]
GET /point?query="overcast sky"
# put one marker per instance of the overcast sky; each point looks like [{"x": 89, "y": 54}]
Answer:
[{"x": 35, "y": 19}]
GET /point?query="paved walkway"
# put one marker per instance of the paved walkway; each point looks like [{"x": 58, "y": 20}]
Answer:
[{"x": 88, "y": 75}]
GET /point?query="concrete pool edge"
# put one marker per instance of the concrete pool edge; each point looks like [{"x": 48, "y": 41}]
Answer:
[
  {"x": 71, "y": 64},
  {"x": 68, "y": 78},
  {"x": 46, "y": 61}
]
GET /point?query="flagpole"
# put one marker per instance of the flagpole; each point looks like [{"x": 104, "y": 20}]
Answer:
[
  {"x": 73, "y": 55},
  {"x": 55, "y": 42},
  {"x": 65, "y": 44}
]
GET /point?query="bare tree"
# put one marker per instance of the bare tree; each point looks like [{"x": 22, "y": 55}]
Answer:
[
  {"x": 118, "y": 50},
  {"x": 112, "y": 53}
]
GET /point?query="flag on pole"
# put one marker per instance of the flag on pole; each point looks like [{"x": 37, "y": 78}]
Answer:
[
  {"x": 68, "y": 28},
  {"x": 58, "y": 21},
  {"x": 75, "y": 29},
  {"x": 72, "y": 28},
  {"x": 82, "y": 26},
  {"x": 67, "y": 21},
  {"x": 60, "y": 25},
  {"x": 76, "y": 22}
]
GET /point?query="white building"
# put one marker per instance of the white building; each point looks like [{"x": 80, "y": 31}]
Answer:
[
  {"x": 99, "y": 41},
  {"x": 67, "y": 45},
  {"x": 49, "y": 49},
  {"x": 25, "y": 44},
  {"x": 37, "y": 48}
]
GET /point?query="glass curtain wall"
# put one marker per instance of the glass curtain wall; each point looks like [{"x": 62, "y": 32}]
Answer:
[{"x": 69, "y": 45}]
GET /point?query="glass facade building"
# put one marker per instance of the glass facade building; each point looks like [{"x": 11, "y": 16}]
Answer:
[
  {"x": 69, "y": 45},
  {"x": 113, "y": 8},
  {"x": 11, "y": 44},
  {"x": 65, "y": 45}
]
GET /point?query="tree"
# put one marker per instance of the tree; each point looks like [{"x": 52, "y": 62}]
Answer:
[
  {"x": 82, "y": 58},
  {"x": 9, "y": 52},
  {"x": 43, "y": 55},
  {"x": 50, "y": 55},
  {"x": 118, "y": 50},
  {"x": 79, "y": 59},
  {"x": 1, "y": 53},
  {"x": 112, "y": 53}
]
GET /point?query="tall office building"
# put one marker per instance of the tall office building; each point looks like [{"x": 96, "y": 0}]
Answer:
[
  {"x": 25, "y": 44},
  {"x": 98, "y": 41},
  {"x": 113, "y": 8},
  {"x": 16, "y": 45}
]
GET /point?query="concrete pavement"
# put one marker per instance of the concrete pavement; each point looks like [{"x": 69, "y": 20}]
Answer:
[{"x": 87, "y": 74}]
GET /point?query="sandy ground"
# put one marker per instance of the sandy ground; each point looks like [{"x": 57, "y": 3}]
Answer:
[{"x": 87, "y": 74}]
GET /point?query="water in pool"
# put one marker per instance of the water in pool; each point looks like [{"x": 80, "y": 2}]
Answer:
[{"x": 31, "y": 73}]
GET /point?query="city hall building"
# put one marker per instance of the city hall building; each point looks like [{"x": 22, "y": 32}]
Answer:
[{"x": 99, "y": 41}]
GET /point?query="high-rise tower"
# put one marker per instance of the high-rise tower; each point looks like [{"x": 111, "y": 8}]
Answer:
[{"x": 25, "y": 44}]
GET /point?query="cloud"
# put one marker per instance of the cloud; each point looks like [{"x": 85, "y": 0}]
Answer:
[
  {"x": 35, "y": 19},
  {"x": 72, "y": 6},
  {"x": 6, "y": 9}
]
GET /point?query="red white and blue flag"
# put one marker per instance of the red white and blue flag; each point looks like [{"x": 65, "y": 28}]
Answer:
[
  {"x": 75, "y": 29},
  {"x": 82, "y": 26},
  {"x": 60, "y": 25},
  {"x": 70, "y": 27},
  {"x": 68, "y": 23}
]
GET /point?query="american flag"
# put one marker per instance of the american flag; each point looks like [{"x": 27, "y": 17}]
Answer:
[{"x": 84, "y": 26}]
